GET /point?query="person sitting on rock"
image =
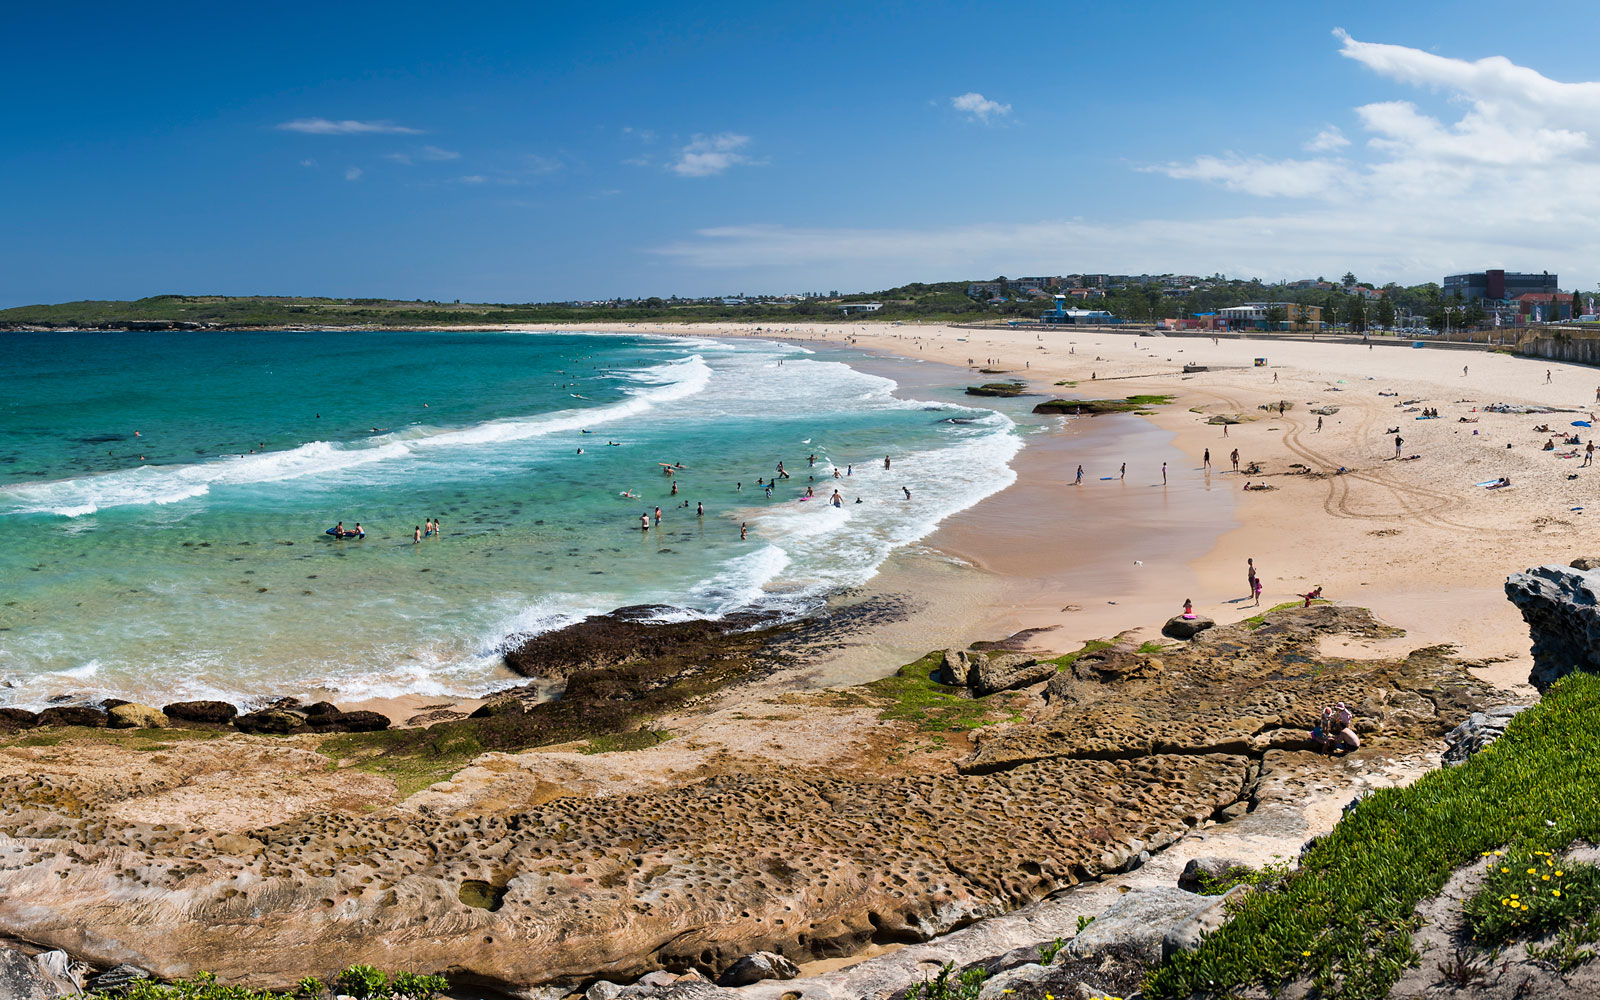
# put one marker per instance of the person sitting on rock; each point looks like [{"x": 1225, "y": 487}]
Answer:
[
  {"x": 1314, "y": 595},
  {"x": 1344, "y": 727},
  {"x": 1322, "y": 732},
  {"x": 1188, "y": 609}
]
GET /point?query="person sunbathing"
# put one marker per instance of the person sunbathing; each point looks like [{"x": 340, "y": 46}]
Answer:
[{"x": 1315, "y": 594}]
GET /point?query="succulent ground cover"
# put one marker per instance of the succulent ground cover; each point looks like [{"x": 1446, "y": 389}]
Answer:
[{"x": 1342, "y": 922}]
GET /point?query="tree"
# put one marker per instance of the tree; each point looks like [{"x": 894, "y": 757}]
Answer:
[
  {"x": 1385, "y": 312},
  {"x": 1356, "y": 311},
  {"x": 1274, "y": 316},
  {"x": 1349, "y": 279}
]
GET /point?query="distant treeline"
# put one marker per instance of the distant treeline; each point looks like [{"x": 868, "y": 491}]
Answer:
[{"x": 944, "y": 301}]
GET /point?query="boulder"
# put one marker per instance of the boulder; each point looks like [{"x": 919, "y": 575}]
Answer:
[
  {"x": 1188, "y": 933},
  {"x": 34, "y": 977},
  {"x": 602, "y": 990},
  {"x": 756, "y": 967},
  {"x": 1478, "y": 731},
  {"x": 956, "y": 667},
  {"x": 1199, "y": 871},
  {"x": 354, "y": 722},
  {"x": 72, "y": 715},
  {"x": 500, "y": 704},
  {"x": 321, "y": 708},
  {"x": 1004, "y": 671},
  {"x": 1135, "y": 927},
  {"x": 1179, "y": 627},
  {"x": 201, "y": 711},
  {"x": 13, "y": 719},
  {"x": 1585, "y": 562},
  {"x": 135, "y": 716},
  {"x": 269, "y": 720},
  {"x": 1562, "y": 608}
]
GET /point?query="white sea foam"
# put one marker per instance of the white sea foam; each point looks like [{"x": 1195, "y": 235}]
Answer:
[{"x": 169, "y": 484}]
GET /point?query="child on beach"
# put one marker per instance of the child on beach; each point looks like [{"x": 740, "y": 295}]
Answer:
[{"x": 1188, "y": 609}]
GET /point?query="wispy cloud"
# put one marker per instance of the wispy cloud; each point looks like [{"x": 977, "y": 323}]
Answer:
[
  {"x": 1327, "y": 140},
  {"x": 348, "y": 126},
  {"x": 308, "y": 163},
  {"x": 352, "y": 173},
  {"x": 404, "y": 159},
  {"x": 709, "y": 155},
  {"x": 473, "y": 179},
  {"x": 437, "y": 154},
  {"x": 979, "y": 108}
]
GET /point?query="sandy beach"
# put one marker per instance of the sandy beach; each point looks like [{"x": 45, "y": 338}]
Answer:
[{"x": 1415, "y": 540}]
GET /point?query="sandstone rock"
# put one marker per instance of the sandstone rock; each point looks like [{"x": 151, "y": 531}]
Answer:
[
  {"x": 13, "y": 719},
  {"x": 656, "y": 979},
  {"x": 1179, "y": 627},
  {"x": 72, "y": 715},
  {"x": 957, "y": 666},
  {"x": 1585, "y": 562},
  {"x": 133, "y": 716},
  {"x": 1135, "y": 926},
  {"x": 501, "y": 704},
  {"x": 269, "y": 720},
  {"x": 756, "y": 967},
  {"x": 1562, "y": 608},
  {"x": 1193, "y": 929},
  {"x": 602, "y": 990},
  {"x": 1004, "y": 671},
  {"x": 201, "y": 711},
  {"x": 1015, "y": 980},
  {"x": 1478, "y": 731},
  {"x": 25, "y": 977}
]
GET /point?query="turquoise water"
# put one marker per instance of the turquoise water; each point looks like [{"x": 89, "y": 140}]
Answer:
[{"x": 164, "y": 496}]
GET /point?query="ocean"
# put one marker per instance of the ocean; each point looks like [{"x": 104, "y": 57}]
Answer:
[{"x": 164, "y": 498}]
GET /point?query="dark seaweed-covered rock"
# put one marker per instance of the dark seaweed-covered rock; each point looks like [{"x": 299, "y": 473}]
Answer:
[
  {"x": 201, "y": 711},
  {"x": 269, "y": 720},
  {"x": 349, "y": 722},
  {"x": 1003, "y": 389},
  {"x": 72, "y": 715},
  {"x": 626, "y": 635},
  {"x": 13, "y": 719}
]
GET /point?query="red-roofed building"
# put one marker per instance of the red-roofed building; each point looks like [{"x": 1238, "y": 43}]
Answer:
[{"x": 1551, "y": 306}]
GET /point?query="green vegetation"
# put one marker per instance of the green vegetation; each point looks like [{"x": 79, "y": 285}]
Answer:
[
  {"x": 1529, "y": 894},
  {"x": 1269, "y": 878},
  {"x": 639, "y": 739},
  {"x": 1256, "y": 621},
  {"x": 362, "y": 982},
  {"x": 1343, "y": 920},
  {"x": 1066, "y": 660},
  {"x": 948, "y": 985},
  {"x": 413, "y": 758},
  {"x": 1092, "y": 406},
  {"x": 914, "y": 696},
  {"x": 998, "y": 389},
  {"x": 1048, "y": 953}
]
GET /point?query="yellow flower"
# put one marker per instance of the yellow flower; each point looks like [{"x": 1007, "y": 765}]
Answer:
[
  {"x": 1305, "y": 954},
  {"x": 1546, "y": 878},
  {"x": 1513, "y": 895},
  {"x": 1560, "y": 873},
  {"x": 1555, "y": 892},
  {"x": 1505, "y": 870},
  {"x": 1530, "y": 871},
  {"x": 1499, "y": 854}
]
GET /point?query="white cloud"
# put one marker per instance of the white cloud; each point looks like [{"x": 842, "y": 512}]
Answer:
[
  {"x": 437, "y": 154},
  {"x": 324, "y": 126},
  {"x": 980, "y": 108},
  {"x": 1326, "y": 141},
  {"x": 1266, "y": 178},
  {"x": 401, "y": 158},
  {"x": 709, "y": 155},
  {"x": 474, "y": 179},
  {"x": 352, "y": 173}
]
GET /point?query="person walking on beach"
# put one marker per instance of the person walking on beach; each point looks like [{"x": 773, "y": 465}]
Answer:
[
  {"x": 1319, "y": 425},
  {"x": 1163, "y": 473},
  {"x": 1547, "y": 376},
  {"x": 1235, "y": 457},
  {"x": 1124, "y": 473},
  {"x": 1588, "y": 454},
  {"x": 1079, "y": 480},
  {"x": 1463, "y": 371},
  {"x": 1398, "y": 441},
  {"x": 1205, "y": 462}
]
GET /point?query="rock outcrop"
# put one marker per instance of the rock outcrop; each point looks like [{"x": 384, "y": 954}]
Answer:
[
  {"x": 987, "y": 673},
  {"x": 754, "y": 968},
  {"x": 72, "y": 715},
  {"x": 133, "y": 716},
  {"x": 1478, "y": 731},
  {"x": 1562, "y": 608},
  {"x": 34, "y": 977},
  {"x": 219, "y": 712},
  {"x": 1179, "y": 627}
]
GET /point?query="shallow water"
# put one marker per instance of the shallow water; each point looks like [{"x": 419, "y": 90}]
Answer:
[{"x": 188, "y": 559}]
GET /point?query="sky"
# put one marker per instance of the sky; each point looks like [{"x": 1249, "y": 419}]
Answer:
[{"x": 541, "y": 152}]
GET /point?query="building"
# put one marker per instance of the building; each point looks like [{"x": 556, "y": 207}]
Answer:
[
  {"x": 1498, "y": 285},
  {"x": 1063, "y": 316},
  {"x": 860, "y": 307},
  {"x": 1254, "y": 315},
  {"x": 1537, "y": 307}
]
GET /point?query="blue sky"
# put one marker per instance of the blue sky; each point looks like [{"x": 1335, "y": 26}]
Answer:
[{"x": 536, "y": 152}]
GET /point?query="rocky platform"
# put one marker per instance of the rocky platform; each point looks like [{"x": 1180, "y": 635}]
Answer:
[{"x": 513, "y": 889}]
